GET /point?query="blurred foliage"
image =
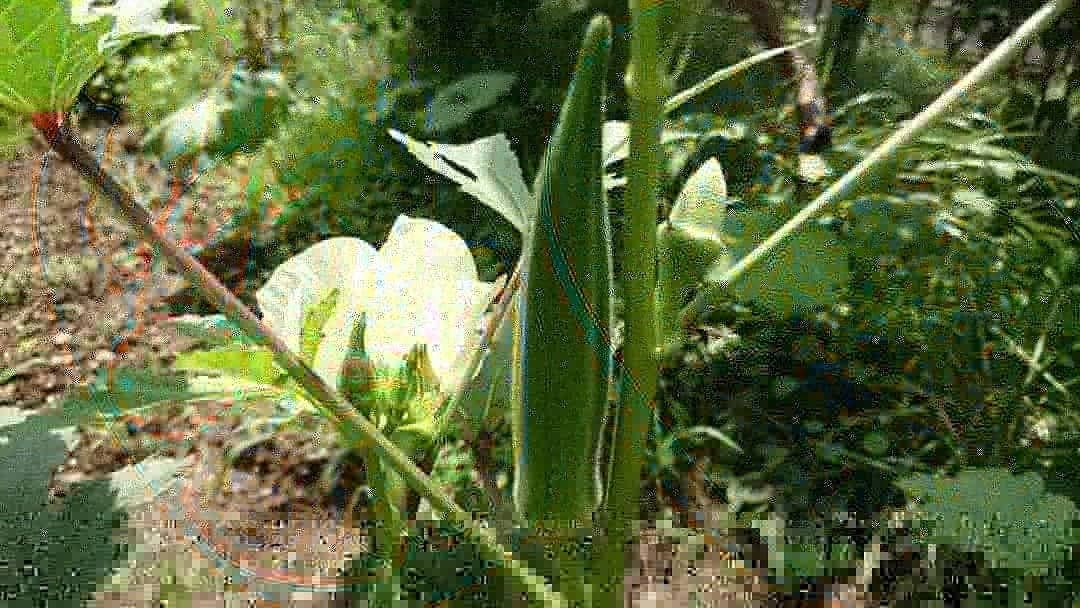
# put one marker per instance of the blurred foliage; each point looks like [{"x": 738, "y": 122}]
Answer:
[{"x": 957, "y": 332}]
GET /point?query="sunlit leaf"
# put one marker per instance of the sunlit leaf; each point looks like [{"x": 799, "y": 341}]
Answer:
[
  {"x": 973, "y": 202},
  {"x": 689, "y": 244},
  {"x": 487, "y": 169},
  {"x": 315, "y": 318},
  {"x": 1010, "y": 518},
  {"x": 134, "y": 19},
  {"x": 254, "y": 364},
  {"x": 45, "y": 58},
  {"x": 567, "y": 320},
  {"x": 807, "y": 270}
]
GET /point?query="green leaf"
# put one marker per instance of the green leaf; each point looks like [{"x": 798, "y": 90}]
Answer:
[
  {"x": 81, "y": 530},
  {"x": 454, "y": 104},
  {"x": 1009, "y": 518},
  {"x": 185, "y": 132},
  {"x": 211, "y": 330},
  {"x": 315, "y": 318},
  {"x": 134, "y": 20},
  {"x": 876, "y": 443},
  {"x": 486, "y": 169},
  {"x": 250, "y": 363},
  {"x": 807, "y": 270},
  {"x": 45, "y": 58},
  {"x": 235, "y": 387},
  {"x": 973, "y": 202},
  {"x": 258, "y": 102},
  {"x": 700, "y": 206},
  {"x": 414, "y": 439},
  {"x": 688, "y": 245},
  {"x": 357, "y": 371},
  {"x": 794, "y": 551},
  {"x": 127, "y": 389}
]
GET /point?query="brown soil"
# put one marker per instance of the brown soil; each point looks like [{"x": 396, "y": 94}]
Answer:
[{"x": 78, "y": 300}]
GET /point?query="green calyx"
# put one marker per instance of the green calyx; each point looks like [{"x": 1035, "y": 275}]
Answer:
[
  {"x": 394, "y": 399},
  {"x": 357, "y": 375}
]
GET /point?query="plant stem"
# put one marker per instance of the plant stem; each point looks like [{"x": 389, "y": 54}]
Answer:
[
  {"x": 647, "y": 94},
  {"x": 1002, "y": 55},
  {"x": 353, "y": 426},
  {"x": 721, "y": 75}
]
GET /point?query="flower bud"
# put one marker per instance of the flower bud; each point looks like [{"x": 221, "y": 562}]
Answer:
[
  {"x": 357, "y": 371},
  {"x": 422, "y": 373}
]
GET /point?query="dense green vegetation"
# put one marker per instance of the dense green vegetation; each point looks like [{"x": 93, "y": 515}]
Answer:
[{"x": 910, "y": 355}]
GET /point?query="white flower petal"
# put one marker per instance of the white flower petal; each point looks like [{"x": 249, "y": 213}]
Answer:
[
  {"x": 134, "y": 14},
  {"x": 420, "y": 288},
  {"x": 133, "y": 19},
  {"x": 424, "y": 285},
  {"x": 477, "y": 301},
  {"x": 305, "y": 279},
  {"x": 338, "y": 329},
  {"x": 427, "y": 251},
  {"x": 83, "y": 12},
  {"x": 340, "y": 260}
]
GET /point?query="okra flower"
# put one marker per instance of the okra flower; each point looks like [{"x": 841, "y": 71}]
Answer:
[{"x": 420, "y": 288}]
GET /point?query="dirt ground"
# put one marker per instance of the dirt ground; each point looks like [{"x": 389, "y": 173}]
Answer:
[{"x": 78, "y": 300}]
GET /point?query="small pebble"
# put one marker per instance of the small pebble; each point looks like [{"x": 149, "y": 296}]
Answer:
[
  {"x": 62, "y": 360},
  {"x": 104, "y": 356},
  {"x": 63, "y": 338}
]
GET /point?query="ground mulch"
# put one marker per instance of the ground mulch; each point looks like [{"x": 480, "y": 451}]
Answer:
[{"x": 79, "y": 298}]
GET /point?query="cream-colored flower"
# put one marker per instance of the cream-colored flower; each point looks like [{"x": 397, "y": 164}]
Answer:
[{"x": 420, "y": 288}]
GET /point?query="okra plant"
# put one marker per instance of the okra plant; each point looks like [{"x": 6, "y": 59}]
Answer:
[{"x": 351, "y": 334}]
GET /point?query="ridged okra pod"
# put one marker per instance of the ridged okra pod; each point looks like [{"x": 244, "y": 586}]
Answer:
[{"x": 566, "y": 350}]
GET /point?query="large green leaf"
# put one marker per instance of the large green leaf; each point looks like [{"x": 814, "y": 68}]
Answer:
[
  {"x": 126, "y": 389},
  {"x": 566, "y": 352},
  {"x": 249, "y": 363},
  {"x": 75, "y": 543},
  {"x": 454, "y": 104},
  {"x": 689, "y": 244},
  {"x": 44, "y": 58},
  {"x": 1009, "y": 518},
  {"x": 806, "y": 270}
]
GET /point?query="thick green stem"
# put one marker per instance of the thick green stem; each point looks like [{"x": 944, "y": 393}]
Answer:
[
  {"x": 647, "y": 93},
  {"x": 388, "y": 535},
  {"x": 354, "y": 427}
]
